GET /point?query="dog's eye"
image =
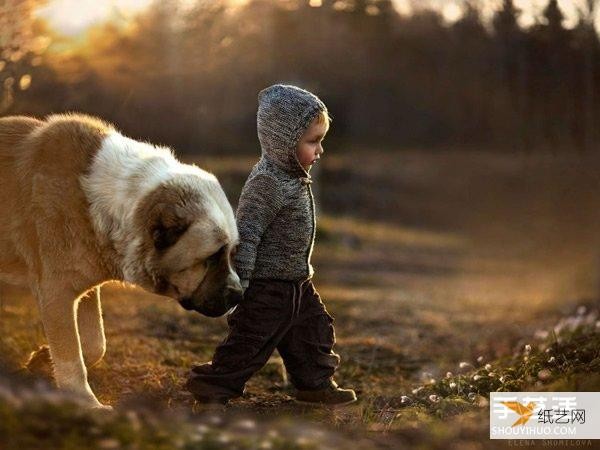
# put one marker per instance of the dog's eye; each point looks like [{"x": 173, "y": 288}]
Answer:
[{"x": 215, "y": 257}]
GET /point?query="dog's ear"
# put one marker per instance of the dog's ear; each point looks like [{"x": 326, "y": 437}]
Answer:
[
  {"x": 168, "y": 227},
  {"x": 165, "y": 237}
]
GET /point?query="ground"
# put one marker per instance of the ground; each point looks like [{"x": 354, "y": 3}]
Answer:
[{"x": 426, "y": 259}]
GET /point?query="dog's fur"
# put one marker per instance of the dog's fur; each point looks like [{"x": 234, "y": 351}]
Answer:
[{"x": 81, "y": 205}]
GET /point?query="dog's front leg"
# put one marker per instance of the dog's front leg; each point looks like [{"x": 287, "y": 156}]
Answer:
[
  {"x": 91, "y": 328},
  {"x": 57, "y": 308}
]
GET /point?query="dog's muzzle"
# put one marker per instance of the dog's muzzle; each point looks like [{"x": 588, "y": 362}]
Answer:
[
  {"x": 233, "y": 297},
  {"x": 230, "y": 298}
]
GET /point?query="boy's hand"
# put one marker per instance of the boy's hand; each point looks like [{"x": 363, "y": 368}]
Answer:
[{"x": 244, "y": 284}]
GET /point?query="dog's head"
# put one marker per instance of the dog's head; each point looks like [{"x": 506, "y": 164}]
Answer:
[{"x": 189, "y": 239}]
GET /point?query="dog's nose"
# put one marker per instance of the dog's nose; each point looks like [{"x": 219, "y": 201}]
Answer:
[{"x": 233, "y": 296}]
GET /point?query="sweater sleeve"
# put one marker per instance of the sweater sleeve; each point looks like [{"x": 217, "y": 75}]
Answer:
[{"x": 259, "y": 203}]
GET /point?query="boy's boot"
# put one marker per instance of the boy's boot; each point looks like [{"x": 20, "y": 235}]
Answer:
[
  {"x": 329, "y": 394},
  {"x": 206, "y": 399},
  {"x": 204, "y": 392}
]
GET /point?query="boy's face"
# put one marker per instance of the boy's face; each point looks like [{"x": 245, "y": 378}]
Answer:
[{"x": 309, "y": 148}]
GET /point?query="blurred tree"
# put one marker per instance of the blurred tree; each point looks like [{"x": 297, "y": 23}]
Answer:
[
  {"x": 549, "y": 53},
  {"x": 554, "y": 16},
  {"x": 589, "y": 38},
  {"x": 471, "y": 72},
  {"x": 189, "y": 76},
  {"x": 20, "y": 47},
  {"x": 512, "y": 68},
  {"x": 505, "y": 20}
]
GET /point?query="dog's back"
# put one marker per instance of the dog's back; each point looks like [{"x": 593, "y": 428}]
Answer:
[
  {"x": 40, "y": 165},
  {"x": 14, "y": 130}
]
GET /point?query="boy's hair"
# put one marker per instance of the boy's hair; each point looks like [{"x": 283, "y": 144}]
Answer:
[{"x": 324, "y": 117}]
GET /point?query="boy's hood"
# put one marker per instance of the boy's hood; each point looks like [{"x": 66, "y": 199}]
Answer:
[{"x": 284, "y": 114}]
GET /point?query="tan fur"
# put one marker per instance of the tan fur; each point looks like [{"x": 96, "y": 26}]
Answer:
[{"x": 49, "y": 242}]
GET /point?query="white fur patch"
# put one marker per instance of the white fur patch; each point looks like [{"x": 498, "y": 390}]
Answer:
[
  {"x": 109, "y": 186},
  {"x": 122, "y": 173}
]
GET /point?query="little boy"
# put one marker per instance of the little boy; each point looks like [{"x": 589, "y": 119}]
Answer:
[{"x": 276, "y": 220}]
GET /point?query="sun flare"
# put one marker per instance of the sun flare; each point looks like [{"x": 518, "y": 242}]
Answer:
[{"x": 72, "y": 17}]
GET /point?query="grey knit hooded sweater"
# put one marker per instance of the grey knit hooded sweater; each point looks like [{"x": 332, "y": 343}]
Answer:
[{"x": 276, "y": 212}]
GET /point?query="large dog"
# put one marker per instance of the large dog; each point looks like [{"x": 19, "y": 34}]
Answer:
[{"x": 81, "y": 205}]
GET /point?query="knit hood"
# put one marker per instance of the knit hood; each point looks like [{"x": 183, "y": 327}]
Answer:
[{"x": 284, "y": 114}]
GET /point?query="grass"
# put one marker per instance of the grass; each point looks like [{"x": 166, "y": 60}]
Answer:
[
  {"x": 34, "y": 415},
  {"x": 414, "y": 291},
  {"x": 572, "y": 354}
]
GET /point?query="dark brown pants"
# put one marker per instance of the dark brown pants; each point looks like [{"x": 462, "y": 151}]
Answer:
[{"x": 274, "y": 314}]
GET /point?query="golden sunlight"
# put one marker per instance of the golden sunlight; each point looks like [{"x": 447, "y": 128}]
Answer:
[
  {"x": 72, "y": 17},
  {"x": 452, "y": 12}
]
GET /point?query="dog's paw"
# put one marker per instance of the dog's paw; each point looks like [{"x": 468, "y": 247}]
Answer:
[
  {"x": 40, "y": 362},
  {"x": 89, "y": 401},
  {"x": 101, "y": 407}
]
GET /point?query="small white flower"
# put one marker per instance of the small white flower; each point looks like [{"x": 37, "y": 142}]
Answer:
[
  {"x": 502, "y": 378},
  {"x": 417, "y": 390},
  {"x": 452, "y": 384},
  {"x": 552, "y": 360},
  {"x": 246, "y": 424},
  {"x": 434, "y": 398},
  {"x": 464, "y": 364},
  {"x": 432, "y": 381},
  {"x": 224, "y": 438},
  {"x": 448, "y": 374},
  {"x": 196, "y": 437},
  {"x": 541, "y": 334},
  {"x": 303, "y": 441},
  {"x": 491, "y": 374},
  {"x": 482, "y": 402},
  {"x": 527, "y": 348},
  {"x": 109, "y": 443},
  {"x": 477, "y": 377},
  {"x": 215, "y": 420},
  {"x": 544, "y": 374},
  {"x": 488, "y": 367},
  {"x": 480, "y": 359},
  {"x": 404, "y": 399}
]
